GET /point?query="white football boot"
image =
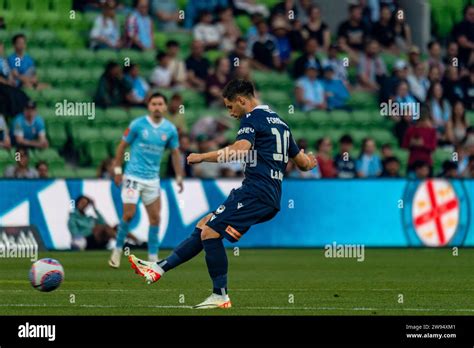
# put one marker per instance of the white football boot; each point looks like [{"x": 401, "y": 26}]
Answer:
[
  {"x": 149, "y": 270},
  {"x": 114, "y": 260},
  {"x": 215, "y": 301}
]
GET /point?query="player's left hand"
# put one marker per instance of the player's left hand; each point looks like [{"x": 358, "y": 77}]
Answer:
[{"x": 194, "y": 158}]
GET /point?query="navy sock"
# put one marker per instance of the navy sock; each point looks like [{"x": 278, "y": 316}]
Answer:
[
  {"x": 216, "y": 260},
  {"x": 185, "y": 251}
]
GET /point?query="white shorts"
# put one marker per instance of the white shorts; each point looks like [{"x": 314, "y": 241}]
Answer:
[{"x": 134, "y": 188}]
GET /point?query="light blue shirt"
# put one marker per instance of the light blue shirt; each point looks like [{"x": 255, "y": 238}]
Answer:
[
  {"x": 369, "y": 166},
  {"x": 29, "y": 131},
  {"x": 141, "y": 26},
  {"x": 313, "y": 91},
  {"x": 147, "y": 142}
]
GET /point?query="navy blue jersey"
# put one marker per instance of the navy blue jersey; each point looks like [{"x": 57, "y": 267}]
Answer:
[{"x": 273, "y": 145}]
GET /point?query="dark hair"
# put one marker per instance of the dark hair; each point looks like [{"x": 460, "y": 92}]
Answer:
[
  {"x": 160, "y": 55},
  {"x": 353, "y": 7},
  {"x": 40, "y": 163},
  {"x": 109, "y": 66},
  {"x": 238, "y": 87},
  {"x": 419, "y": 164},
  {"x": 391, "y": 159},
  {"x": 449, "y": 165},
  {"x": 467, "y": 7},
  {"x": 78, "y": 199},
  {"x": 432, "y": 43},
  {"x": 157, "y": 95},
  {"x": 320, "y": 141},
  {"x": 177, "y": 96},
  {"x": 239, "y": 40},
  {"x": 23, "y": 150},
  {"x": 346, "y": 139},
  {"x": 18, "y": 36},
  {"x": 128, "y": 68},
  {"x": 172, "y": 43}
]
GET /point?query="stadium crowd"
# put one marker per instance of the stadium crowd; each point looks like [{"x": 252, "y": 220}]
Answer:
[{"x": 290, "y": 38}]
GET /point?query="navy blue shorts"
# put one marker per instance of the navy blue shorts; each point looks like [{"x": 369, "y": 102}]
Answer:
[{"x": 238, "y": 213}]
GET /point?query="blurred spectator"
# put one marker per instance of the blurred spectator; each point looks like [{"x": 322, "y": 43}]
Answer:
[
  {"x": 383, "y": 31},
  {"x": 403, "y": 95},
  {"x": 185, "y": 149},
  {"x": 391, "y": 167},
  {"x": 389, "y": 85},
  {"x": 303, "y": 12},
  {"x": 371, "y": 70},
  {"x": 369, "y": 164},
  {"x": 243, "y": 71},
  {"x": 414, "y": 58},
  {"x": 6, "y": 76},
  {"x": 263, "y": 47},
  {"x": 228, "y": 28},
  {"x": 452, "y": 55},
  {"x": 434, "y": 75},
  {"x": 456, "y": 128},
  {"x": 88, "y": 231},
  {"x": 139, "y": 27},
  {"x": 140, "y": 87},
  {"x": 309, "y": 90},
  {"x": 336, "y": 92},
  {"x": 252, "y": 31},
  {"x": 402, "y": 30},
  {"x": 5, "y": 142},
  {"x": 162, "y": 76},
  {"x": 197, "y": 67},
  {"x": 216, "y": 83},
  {"x": 176, "y": 113},
  {"x": 401, "y": 126},
  {"x": 176, "y": 64},
  {"x": 106, "y": 169},
  {"x": 285, "y": 8},
  {"x": 469, "y": 171},
  {"x": 208, "y": 33},
  {"x": 467, "y": 84},
  {"x": 463, "y": 33},
  {"x": 22, "y": 65},
  {"x": 352, "y": 33},
  {"x": 42, "y": 169},
  {"x": 316, "y": 28},
  {"x": 295, "y": 35},
  {"x": 337, "y": 64},
  {"x": 251, "y": 7},
  {"x": 421, "y": 169},
  {"x": 324, "y": 158},
  {"x": 420, "y": 139},
  {"x": 450, "y": 170},
  {"x": 113, "y": 90},
  {"x": 105, "y": 32},
  {"x": 280, "y": 30},
  {"x": 195, "y": 7},
  {"x": 343, "y": 161},
  {"x": 452, "y": 86},
  {"x": 239, "y": 54},
  {"x": 167, "y": 13},
  {"x": 308, "y": 57},
  {"x": 435, "y": 58},
  {"x": 439, "y": 108},
  {"x": 206, "y": 170},
  {"x": 28, "y": 128},
  {"x": 418, "y": 82},
  {"x": 22, "y": 169},
  {"x": 212, "y": 128}
]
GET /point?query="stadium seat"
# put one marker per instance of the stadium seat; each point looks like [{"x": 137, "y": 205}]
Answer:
[
  {"x": 46, "y": 38},
  {"x": 63, "y": 172},
  {"x": 382, "y": 136},
  {"x": 6, "y": 159},
  {"x": 104, "y": 56},
  {"x": 112, "y": 137},
  {"x": 470, "y": 117},
  {"x": 192, "y": 99},
  {"x": 95, "y": 151},
  {"x": 244, "y": 22},
  {"x": 86, "y": 172},
  {"x": 41, "y": 6},
  {"x": 56, "y": 133},
  {"x": 118, "y": 117}
]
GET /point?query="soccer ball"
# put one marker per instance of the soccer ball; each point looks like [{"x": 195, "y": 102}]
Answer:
[{"x": 46, "y": 275}]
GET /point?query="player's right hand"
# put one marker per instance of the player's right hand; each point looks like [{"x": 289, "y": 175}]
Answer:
[
  {"x": 118, "y": 179},
  {"x": 312, "y": 161}
]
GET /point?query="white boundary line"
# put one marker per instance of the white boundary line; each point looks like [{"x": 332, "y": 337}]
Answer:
[
  {"x": 247, "y": 308},
  {"x": 315, "y": 290}
]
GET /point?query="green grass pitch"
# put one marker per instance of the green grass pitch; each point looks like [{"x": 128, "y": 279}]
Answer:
[{"x": 261, "y": 282}]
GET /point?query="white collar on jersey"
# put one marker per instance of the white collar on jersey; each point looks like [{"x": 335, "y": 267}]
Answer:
[
  {"x": 153, "y": 124},
  {"x": 261, "y": 107}
]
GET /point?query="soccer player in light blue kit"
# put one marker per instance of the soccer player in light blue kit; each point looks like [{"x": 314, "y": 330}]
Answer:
[{"x": 148, "y": 137}]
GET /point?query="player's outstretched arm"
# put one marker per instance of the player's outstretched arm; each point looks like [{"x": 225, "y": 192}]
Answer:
[
  {"x": 118, "y": 160},
  {"x": 305, "y": 162},
  {"x": 178, "y": 169},
  {"x": 221, "y": 155}
]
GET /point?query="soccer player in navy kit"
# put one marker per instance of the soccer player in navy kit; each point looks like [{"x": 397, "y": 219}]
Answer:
[{"x": 256, "y": 201}]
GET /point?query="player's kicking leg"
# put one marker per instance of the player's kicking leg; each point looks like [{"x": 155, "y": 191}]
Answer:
[{"x": 203, "y": 237}]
